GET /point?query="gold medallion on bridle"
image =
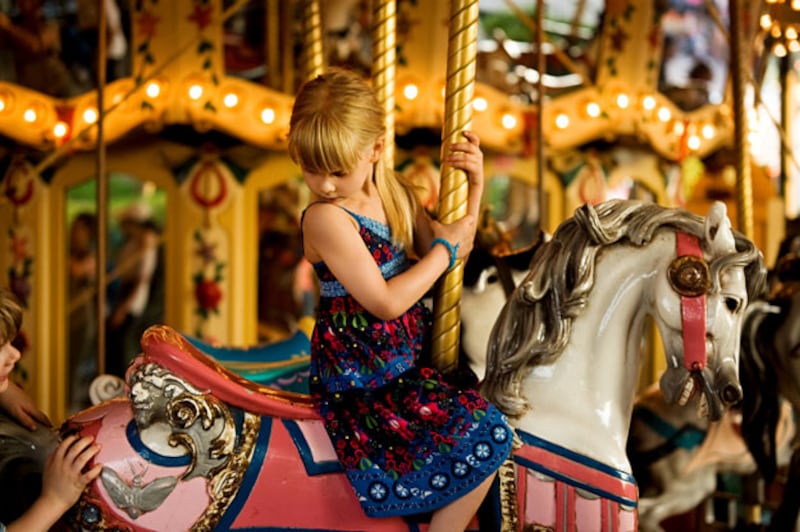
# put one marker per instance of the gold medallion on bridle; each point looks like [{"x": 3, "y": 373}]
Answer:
[{"x": 689, "y": 276}]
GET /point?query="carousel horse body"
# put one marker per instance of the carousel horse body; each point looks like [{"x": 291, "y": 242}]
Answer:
[
  {"x": 676, "y": 456},
  {"x": 235, "y": 455},
  {"x": 484, "y": 294},
  {"x": 775, "y": 376}
]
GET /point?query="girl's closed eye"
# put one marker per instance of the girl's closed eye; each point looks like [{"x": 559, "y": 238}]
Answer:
[{"x": 339, "y": 173}]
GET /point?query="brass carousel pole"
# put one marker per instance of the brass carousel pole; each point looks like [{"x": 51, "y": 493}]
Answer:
[
  {"x": 272, "y": 43},
  {"x": 312, "y": 40},
  {"x": 102, "y": 197},
  {"x": 744, "y": 183},
  {"x": 462, "y": 48},
  {"x": 384, "y": 61},
  {"x": 541, "y": 67},
  {"x": 286, "y": 37},
  {"x": 752, "y": 489}
]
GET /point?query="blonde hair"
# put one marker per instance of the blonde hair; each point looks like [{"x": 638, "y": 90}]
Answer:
[
  {"x": 10, "y": 316},
  {"x": 337, "y": 117}
]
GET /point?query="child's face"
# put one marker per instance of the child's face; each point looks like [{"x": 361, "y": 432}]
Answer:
[
  {"x": 80, "y": 237},
  {"x": 340, "y": 185},
  {"x": 8, "y": 357}
]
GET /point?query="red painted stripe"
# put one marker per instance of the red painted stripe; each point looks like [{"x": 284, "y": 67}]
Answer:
[
  {"x": 579, "y": 472},
  {"x": 571, "y": 510},
  {"x": 522, "y": 489},
  {"x": 561, "y": 508},
  {"x": 605, "y": 509}
]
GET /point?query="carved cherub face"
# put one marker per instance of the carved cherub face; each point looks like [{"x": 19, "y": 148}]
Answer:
[{"x": 148, "y": 398}]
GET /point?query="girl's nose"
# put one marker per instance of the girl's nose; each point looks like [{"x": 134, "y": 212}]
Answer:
[{"x": 328, "y": 186}]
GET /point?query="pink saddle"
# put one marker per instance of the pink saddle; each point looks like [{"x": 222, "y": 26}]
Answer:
[{"x": 166, "y": 347}]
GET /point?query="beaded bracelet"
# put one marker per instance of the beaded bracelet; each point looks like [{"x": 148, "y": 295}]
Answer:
[{"x": 450, "y": 248}]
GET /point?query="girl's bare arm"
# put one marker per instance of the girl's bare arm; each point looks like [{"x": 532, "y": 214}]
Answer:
[{"x": 331, "y": 235}]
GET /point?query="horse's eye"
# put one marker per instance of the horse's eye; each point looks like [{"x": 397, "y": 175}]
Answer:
[
  {"x": 733, "y": 304},
  {"x": 492, "y": 279}
]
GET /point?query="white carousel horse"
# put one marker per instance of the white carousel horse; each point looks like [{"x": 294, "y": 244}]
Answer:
[
  {"x": 564, "y": 356},
  {"x": 489, "y": 279},
  {"x": 230, "y": 454}
]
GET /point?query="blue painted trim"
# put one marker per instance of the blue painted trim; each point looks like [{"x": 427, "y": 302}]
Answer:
[
  {"x": 250, "y": 477},
  {"x": 536, "y": 441},
  {"x": 312, "y": 468},
  {"x": 132, "y": 433},
  {"x": 530, "y": 439},
  {"x": 297, "y": 345},
  {"x": 689, "y": 437},
  {"x": 571, "y": 481}
]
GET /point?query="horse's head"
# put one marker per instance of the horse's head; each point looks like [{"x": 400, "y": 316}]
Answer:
[
  {"x": 696, "y": 292},
  {"x": 699, "y": 307}
]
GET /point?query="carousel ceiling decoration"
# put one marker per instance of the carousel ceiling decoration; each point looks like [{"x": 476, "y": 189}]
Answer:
[{"x": 178, "y": 77}]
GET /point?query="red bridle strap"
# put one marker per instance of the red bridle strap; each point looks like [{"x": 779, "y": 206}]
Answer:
[{"x": 693, "y": 310}]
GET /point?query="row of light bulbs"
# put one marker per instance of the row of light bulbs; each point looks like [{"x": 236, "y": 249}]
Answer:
[
  {"x": 593, "y": 109},
  {"x": 781, "y": 24},
  {"x": 153, "y": 89},
  {"x": 195, "y": 91},
  {"x": 695, "y": 133}
]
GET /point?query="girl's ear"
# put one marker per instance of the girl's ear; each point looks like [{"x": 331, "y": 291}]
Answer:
[{"x": 377, "y": 149}]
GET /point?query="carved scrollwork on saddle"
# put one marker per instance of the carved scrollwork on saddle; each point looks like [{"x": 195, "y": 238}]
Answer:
[
  {"x": 225, "y": 484},
  {"x": 169, "y": 410},
  {"x": 197, "y": 421}
]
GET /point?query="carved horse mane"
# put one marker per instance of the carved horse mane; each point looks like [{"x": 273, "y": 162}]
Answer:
[{"x": 535, "y": 326}]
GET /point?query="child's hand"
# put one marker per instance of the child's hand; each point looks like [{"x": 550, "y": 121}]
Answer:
[
  {"x": 461, "y": 232},
  {"x": 22, "y": 408},
  {"x": 63, "y": 479},
  {"x": 467, "y": 156}
]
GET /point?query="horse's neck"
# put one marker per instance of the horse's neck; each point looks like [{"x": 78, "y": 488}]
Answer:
[{"x": 583, "y": 401}]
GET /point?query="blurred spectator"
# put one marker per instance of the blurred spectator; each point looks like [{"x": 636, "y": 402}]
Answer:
[
  {"x": 137, "y": 269},
  {"x": 82, "y": 308},
  {"x": 36, "y": 45},
  {"x": 116, "y": 42}
]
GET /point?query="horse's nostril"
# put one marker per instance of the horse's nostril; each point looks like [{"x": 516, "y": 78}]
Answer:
[{"x": 731, "y": 394}]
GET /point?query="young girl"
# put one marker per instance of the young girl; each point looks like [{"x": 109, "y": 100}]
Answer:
[
  {"x": 409, "y": 442},
  {"x": 63, "y": 479}
]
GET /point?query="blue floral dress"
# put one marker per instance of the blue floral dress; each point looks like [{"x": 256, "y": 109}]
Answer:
[{"x": 409, "y": 441}]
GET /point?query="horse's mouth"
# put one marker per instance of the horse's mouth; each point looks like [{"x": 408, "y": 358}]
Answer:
[
  {"x": 682, "y": 386},
  {"x": 709, "y": 405}
]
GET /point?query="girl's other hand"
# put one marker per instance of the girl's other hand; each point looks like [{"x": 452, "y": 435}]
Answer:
[
  {"x": 467, "y": 156},
  {"x": 461, "y": 232},
  {"x": 22, "y": 408}
]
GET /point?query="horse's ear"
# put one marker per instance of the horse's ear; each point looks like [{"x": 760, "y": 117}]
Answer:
[{"x": 718, "y": 233}]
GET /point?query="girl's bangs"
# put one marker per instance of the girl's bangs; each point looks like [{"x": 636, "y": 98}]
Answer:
[{"x": 325, "y": 149}]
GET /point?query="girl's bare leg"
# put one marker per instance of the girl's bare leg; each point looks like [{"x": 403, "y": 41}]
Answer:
[{"x": 457, "y": 515}]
